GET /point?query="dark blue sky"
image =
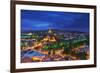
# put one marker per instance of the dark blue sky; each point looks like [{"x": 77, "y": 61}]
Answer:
[{"x": 43, "y": 20}]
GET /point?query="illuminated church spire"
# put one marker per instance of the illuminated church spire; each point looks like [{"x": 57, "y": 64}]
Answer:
[{"x": 49, "y": 31}]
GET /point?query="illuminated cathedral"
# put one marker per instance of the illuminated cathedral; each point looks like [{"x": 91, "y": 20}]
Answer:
[{"x": 50, "y": 37}]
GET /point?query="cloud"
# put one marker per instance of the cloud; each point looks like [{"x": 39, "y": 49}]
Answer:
[{"x": 41, "y": 20}]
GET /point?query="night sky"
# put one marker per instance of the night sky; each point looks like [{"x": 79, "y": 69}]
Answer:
[{"x": 42, "y": 20}]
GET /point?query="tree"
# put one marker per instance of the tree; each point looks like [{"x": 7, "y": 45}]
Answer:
[
  {"x": 81, "y": 55},
  {"x": 46, "y": 47}
]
